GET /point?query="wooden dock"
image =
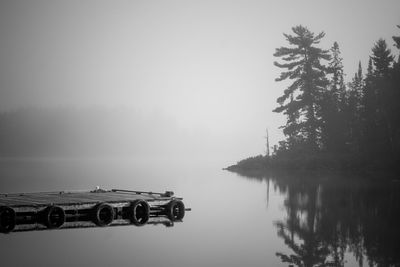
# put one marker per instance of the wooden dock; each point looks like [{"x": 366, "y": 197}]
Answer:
[{"x": 61, "y": 210}]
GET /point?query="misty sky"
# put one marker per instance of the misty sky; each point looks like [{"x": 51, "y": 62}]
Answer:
[{"x": 204, "y": 64}]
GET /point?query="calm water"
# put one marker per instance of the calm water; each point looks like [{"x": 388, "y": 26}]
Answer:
[{"x": 275, "y": 220}]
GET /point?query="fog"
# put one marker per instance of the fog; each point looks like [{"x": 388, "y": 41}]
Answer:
[
  {"x": 159, "y": 96},
  {"x": 104, "y": 133},
  {"x": 193, "y": 78}
]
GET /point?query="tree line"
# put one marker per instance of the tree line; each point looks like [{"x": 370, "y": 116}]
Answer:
[{"x": 326, "y": 114}]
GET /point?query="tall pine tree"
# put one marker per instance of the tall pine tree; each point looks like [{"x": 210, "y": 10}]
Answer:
[
  {"x": 337, "y": 86},
  {"x": 354, "y": 111},
  {"x": 333, "y": 105},
  {"x": 301, "y": 100},
  {"x": 369, "y": 111},
  {"x": 381, "y": 105}
]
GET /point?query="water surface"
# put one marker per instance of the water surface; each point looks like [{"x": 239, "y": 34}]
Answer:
[{"x": 259, "y": 220}]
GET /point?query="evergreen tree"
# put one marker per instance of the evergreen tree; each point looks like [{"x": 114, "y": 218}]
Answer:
[
  {"x": 333, "y": 104},
  {"x": 301, "y": 100},
  {"x": 337, "y": 86},
  {"x": 354, "y": 110},
  {"x": 381, "y": 104},
  {"x": 370, "y": 106},
  {"x": 382, "y": 59}
]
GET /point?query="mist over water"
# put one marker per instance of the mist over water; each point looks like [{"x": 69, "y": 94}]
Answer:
[
  {"x": 254, "y": 220},
  {"x": 106, "y": 133},
  {"x": 160, "y": 96}
]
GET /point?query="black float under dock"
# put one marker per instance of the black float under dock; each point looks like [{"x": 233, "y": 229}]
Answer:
[{"x": 82, "y": 209}]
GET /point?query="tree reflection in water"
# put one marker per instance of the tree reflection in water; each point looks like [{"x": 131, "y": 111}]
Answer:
[{"x": 327, "y": 217}]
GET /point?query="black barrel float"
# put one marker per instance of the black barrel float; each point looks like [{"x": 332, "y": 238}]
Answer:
[
  {"x": 139, "y": 212},
  {"x": 175, "y": 210},
  {"x": 7, "y": 219},
  {"x": 103, "y": 214},
  {"x": 54, "y": 217}
]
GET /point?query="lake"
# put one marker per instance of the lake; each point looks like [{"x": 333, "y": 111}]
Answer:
[{"x": 236, "y": 220}]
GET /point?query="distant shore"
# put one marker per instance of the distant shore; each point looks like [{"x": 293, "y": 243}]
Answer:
[{"x": 316, "y": 162}]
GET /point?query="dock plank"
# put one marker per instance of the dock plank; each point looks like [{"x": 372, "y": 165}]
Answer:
[
  {"x": 130, "y": 195},
  {"x": 72, "y": 198},
  {"x": 22, "y": 200},
  {"x": 117, "y": 197},
  {"x": 6, "y": 202},
  {"x": 92, "y": 197}
]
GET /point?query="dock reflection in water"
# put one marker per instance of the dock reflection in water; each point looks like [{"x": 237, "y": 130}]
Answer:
[
  {"x": 97, "y": 208},
  {"x": 331, "y": 221},
  {"x": 22, "y": 226}
]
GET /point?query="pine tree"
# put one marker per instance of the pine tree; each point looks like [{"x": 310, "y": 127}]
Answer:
[
  {"x": 370, "y": 107},
  {"x": 381, "y": 99},
  {"x": 355, "y": 94},
  {"x": 337, "y": 86},
  {"x": 333, "y": 104},
  {"x": 382, "y": 59},
  {"x": 354, "y": 111},
  {"x": 301, "y": 100}
]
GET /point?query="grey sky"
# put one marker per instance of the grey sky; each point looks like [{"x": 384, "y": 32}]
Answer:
[{"x": 205, "y": 64}]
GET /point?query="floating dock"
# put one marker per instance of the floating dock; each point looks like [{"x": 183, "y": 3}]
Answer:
[{"x": 81, "y": 209}]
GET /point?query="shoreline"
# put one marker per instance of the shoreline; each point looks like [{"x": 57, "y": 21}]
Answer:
[{"x": 318, "y": 163}]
